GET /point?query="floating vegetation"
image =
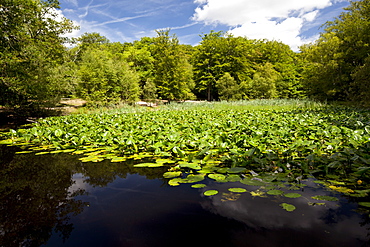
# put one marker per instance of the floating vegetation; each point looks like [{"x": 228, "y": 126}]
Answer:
[
  {"x": 210, "y": 192},
  {"x": 288, "y": 207},
  {"x": 273, "y": 149}
]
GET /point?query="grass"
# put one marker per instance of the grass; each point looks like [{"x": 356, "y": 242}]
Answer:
[{"x": 258, "y": 104}]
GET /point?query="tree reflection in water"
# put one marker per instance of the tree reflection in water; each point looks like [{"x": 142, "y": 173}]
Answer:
[{"x": 35, "y": 198}]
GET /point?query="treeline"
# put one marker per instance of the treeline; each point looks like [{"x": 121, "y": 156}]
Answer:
[{"x": 37, "y": 68}]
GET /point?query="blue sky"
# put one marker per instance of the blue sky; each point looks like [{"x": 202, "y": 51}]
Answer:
[{"x": 293, "y": 22}]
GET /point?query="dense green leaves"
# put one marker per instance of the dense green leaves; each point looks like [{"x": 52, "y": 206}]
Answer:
[
  {"x": 31, "y": 46},
  {"x": 337, "y": 63}
]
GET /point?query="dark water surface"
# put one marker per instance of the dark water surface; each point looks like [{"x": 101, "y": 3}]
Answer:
[{"x": 55, "y": 200}]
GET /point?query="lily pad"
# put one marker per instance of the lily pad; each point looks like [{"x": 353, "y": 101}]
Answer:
[
  {"x": 171, "y": 174},
  {"x": 364, "y": 204},
  {"x": 253, "y": 182},
  {"x": 325, "y": 198},
  {"x": 194, "y": 178},
  {"x": 198, "y": 186},
  {"x": 258, "y": 193},
  {"x": 288, "y": 207},
  {"x": 210, "y": 192},
  {"x": 292, "y": 195},
  {"x": 149, "y": 165},
  {"x": 237, "y": 190},
  {"x": 218, "y": 177},
  {"x": 24, "y": 152},
  {"x": 175, "y": 182},
  {"x": 118, "y": 159},
  {"x": 275, "y": 192},
  {"x": 236, "y": 170},
  {"x": 194, "y": 166}
]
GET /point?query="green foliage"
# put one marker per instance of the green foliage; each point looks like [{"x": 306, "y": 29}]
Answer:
[
  {"x": 29, "y": 51},
  {"x": 173, "y": 73},
  {"x": 336, "y": 64},
  {"x": 105, "y": 78},
  {"x": 228, "y": 89},
  {"x": 264, "y": 82}
]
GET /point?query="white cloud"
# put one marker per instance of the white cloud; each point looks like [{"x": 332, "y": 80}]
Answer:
[{"x": 275, "y": 20}]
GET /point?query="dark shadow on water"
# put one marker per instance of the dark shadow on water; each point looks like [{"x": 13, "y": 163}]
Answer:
[{"x": 56, "y": 200}]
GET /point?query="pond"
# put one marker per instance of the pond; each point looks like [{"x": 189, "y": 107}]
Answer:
[{"x": 57, "y": 200}]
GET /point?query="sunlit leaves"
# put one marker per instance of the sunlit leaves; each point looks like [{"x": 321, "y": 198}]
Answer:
[
  {"x": 171, "y": 174},
  {"x": 210, "y": 192},
  {"x": 237, "y": 190}
]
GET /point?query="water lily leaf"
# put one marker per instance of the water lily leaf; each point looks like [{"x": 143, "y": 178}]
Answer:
[
  {"x": 149, "y": 165},
  {"x": 205, "y": 170},
  {"x": 237, "y": 190},
  {"x": 194, "y": 166},
  {"x": 6, "y": 142},
  {"x": 288, "y": 207},
  {"x": 194, "y": 178},
  {"x": 24, "y": 152},
  {"x": 325, "y": 198},
  {"x": 236, "y": 170},
  {"x": 210, "y": 192},
  {"x": 91, "y": 159},
  {"x": 118, "y": 159},
  {"x": 218, "y": 177},
  {"x": 175, "y": 181},
  {"x": 253, "y": 182},
  {"x": 79, "y": 151},
  {"x": 41, "y": 153},
  {"x": 172, "y": 174},
  {"x": 341, "y": 189},
  {"x": 164, "y": 161},
  {"x": 257, "y": 193},
  {"x": 233, "y": 178},
  {"x": 275, "y": 192},
  {"x": 292, "y": 195},
  {"x": 198, "y": 186},
  {"x": 364, "y": 204}
]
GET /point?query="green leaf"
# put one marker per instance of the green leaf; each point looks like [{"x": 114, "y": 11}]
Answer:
[
  {"x": 194, "y": 178},
  {"x": 210, "y": 192},
  {"x": 325, "y": 198},
  {"x": 253, "y": 182},
  {"x": 175, "y": 181},
  {"x": 237, "y": 190},
  {"x": 288, "y": 207},
  {"x": 236, "y": 170},
  {"x": 118, "y": 159},
  {"x": 172, "y": 174},
  {"x": 364, "y": 204},
  {"x": 275, "y": 192},
  {"x": 292, "y": 195},
  {"x": 218, "y": 177},
  {"x": 149, "y": 165},
  {"x": 198, "y": 186},
  {"x": 194, "y": 166}
]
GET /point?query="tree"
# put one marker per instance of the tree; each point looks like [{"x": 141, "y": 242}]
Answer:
[
  {"x": 172, "y": 71},
  {"x": 106, "y": 79},
  {"x": 336, "y": 64},
  {"x": 31, "y": 45},
  {"x": 264, "y": 81},
  {"x": 218, "y": 54},
  {"x": 228, "y": 89}
]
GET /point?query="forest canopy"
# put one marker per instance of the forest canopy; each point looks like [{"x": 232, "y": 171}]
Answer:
[{"x": 37, "y": 67}]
